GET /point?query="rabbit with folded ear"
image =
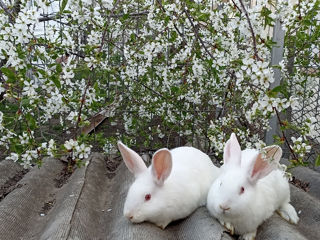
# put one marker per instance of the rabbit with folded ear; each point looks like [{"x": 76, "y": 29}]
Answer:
[
  {"x": 249, "y": 189},
  {"x": 176, "y": 183}
]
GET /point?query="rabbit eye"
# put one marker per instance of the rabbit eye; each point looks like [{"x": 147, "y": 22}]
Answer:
[
  {"x": 147, "y": 197},
  {"x": 241, "y": 190},
  {"x": 220, "y": 183}
]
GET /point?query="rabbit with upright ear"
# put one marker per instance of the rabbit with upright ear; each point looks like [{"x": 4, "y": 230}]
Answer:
[
  {"x": 176, "y": 183},
  {"x": 249, "y": 189}
]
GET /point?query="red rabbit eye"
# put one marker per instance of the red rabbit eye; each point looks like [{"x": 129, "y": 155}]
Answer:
[
  {"x": 241, "y": 190},
  {"x": 147, "y": 197}
]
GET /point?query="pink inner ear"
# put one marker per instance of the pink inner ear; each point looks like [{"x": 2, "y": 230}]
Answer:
[
  {"x": 261, "y": 168},
  {"x": 259, "y": 165},
  {"x": 161, "y": 165}
]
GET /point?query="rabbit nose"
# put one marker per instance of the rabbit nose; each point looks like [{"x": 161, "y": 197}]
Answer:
[
  {"x": 224, "y": 208},
  {"x": 129, "y": 216}
]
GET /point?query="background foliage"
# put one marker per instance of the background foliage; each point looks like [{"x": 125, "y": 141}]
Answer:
[{"x": 163, "y": 72}]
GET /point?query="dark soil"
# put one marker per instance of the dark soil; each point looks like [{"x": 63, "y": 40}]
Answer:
[
  {"x": 305, "y": 186},
  {"x": 47, "y": 206},
  {"x": 64, "y": 176},
  {"x": 11, "y": 184},
  {"x": 112, "y": 163}
]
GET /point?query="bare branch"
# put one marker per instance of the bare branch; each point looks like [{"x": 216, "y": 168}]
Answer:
[
  {"x": 236, "y": 6},
  {"x": 250, "y": 27},
  {"x": 130, "y": 14},
  {"x": 48, "y": 18},
  {"x": 106, "y": 28},
  {"x": 6, "y": 10},
  {"x": 196, "y": 31},
  {"x": 83, "y": 99},
  {"x": 284, "y": 136},
  {"x": 175, "y": 26}
]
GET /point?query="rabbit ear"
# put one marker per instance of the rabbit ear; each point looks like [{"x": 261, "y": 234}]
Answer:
[
  {"x": 265, "y": 163},
  {"x": 132, "y": 160},
  {"x": 232, "y": 151},
  {"x": 161, "y": 165},
  {"x": 273, "y": 153}
]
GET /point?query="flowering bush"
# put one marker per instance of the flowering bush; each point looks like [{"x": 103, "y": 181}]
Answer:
[{"x": 193, "y": 69}]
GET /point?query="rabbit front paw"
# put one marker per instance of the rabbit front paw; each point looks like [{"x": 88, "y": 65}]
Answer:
[
  {"x": 228, "y": 226},
  {"x": 248, "y": 236},
  {"x": 163, "y": 224}
]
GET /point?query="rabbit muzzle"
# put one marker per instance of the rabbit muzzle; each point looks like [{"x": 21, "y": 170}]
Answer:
[
  {"x": 224, "y": 208},
  {"x": 134, "y": 218}
]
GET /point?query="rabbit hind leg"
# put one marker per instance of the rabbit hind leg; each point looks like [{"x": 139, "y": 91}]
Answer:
[{"x": 287, "y": 212}]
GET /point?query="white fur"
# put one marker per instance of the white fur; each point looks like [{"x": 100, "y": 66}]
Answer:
[
  {"x": 184, "y": 190},
  {"x": 261, "y": 197}
]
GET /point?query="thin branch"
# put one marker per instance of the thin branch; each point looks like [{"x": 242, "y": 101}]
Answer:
[
  {"x": 83, "y": 99},
  {"x": 175, "y": 26},
  {"x": 284, "y": 136},
  {"x": 251, "y": 29},
  {"x": 130, "y": 14},
  {"x": 48, "y": 18},
  {"x": 106, "y": 28},
  {"x": 236, "y": 6},
  {"x": 197, "y": 34},
  {"x": 40, "y": 128},
  {"x": 5, "y": 8}
]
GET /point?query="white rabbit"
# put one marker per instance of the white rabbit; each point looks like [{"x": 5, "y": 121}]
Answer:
[
  {"x": 176, "y": 183},
  {"x": 249, "y": 189}
]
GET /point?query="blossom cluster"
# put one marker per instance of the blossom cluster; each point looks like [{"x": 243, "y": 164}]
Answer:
[{"x": 81, "y": 151}]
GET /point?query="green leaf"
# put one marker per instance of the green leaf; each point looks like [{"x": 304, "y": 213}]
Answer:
[
  {"x": 25, "y": 102},
  {"x": 317, "y": 162},
  {"x": 56, "y": 81},
  {"x": 58, "y": 68},
  {"x": 17, "y": 148},
  {"x": 125, "y": 16},
  {"x": 63, "y": 5},
  {"x": 277, "y": 89},
  {"x": 9, "y": 73},
  {"x": 43, "y": 72},
  {"x": 174, "y": 89},
  {"x": 31, "y": 121},
  {"x": 55, "y": 78}
]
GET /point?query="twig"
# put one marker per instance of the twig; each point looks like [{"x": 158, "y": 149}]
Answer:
[
  {"x": 48, "y": 18},
  {"x": 39, "y": 122},
  {"x": 197, "y": 34},
  {"x": 57, "y": 16},
  {"x": 284, "y": 136},
  {"x": 5, "y": 8},
  {"x": 83, "y": 99},
  {"x": 251, "y": 29},
  {"x": 106, "y": 28},
  {"x": 175, "y": 26},
  {"x": 129, "y": 15},
  {"x": 236, "y": 6},
  {"x": 299, "y": 7}
]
